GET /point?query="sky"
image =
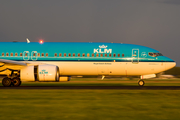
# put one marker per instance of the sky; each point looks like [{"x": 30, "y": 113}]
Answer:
[{"x": 151, "y": 23}]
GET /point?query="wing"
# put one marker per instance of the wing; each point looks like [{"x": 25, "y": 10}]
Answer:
[
  {"x": 9, "y": 65},
  {"x": 12, "y": 62}
]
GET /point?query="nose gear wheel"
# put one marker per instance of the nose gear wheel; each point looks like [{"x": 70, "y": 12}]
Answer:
[{"x": 141, "y": 83}]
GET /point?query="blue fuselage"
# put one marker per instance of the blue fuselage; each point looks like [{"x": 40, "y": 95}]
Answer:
[{"x": 101, "y": 52}]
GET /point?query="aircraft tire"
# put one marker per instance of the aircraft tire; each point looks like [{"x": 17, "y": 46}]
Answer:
[
  {"x": 16, "y": 82},
  {"x": 141, "y": 82},
  {"x": 6, "y": 82}
]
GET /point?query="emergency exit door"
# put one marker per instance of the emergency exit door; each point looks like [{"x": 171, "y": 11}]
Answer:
[{"x": 26, "y": 55}]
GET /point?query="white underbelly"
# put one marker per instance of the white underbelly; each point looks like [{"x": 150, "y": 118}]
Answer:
[{"x": 110, "y": 68}]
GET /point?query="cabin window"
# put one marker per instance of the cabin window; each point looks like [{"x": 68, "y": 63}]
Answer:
[
  {"x": 73, "y": 54},
  {"x": 92, "y": 54},
  {"x": 42, "y": 54},
  {"x": 78, "y": 54},
  {"x": 64, "y": 54},
  {"x": 69, "y": 54},
  {"x": 150, "y": 54},
  {"x": 154, "y": 54},
  {"x": 159, "y": 54},
  {"x": 101, "y": 55},
  {"x": 114, "y": 55},
  {"x": 118, "y": 55},
  {"x": 122, "y": 55},
  {"x": 16, "y": 54},
  {"x": 55, "y": 54},
  {"x": 88, "y": 55},
  {"x": 83, "y": 55},
  {"x": 109, "y": 55},
  {"x": 34, "y": 54},
  {"x": 38, "y": 54},
  {"x": 2, "y": 54},
  {"x": 46, "y": 54},
  {"x": 26, "y": 54},
  {"x": 11, "y": 54},
  {"x": 105, "y": 55},
  {"x": 60, "y": 54},
  {"x": 97, "y": 55},
  {"x": 7, "y": 54},
  {"x": 20, "y": 54}
]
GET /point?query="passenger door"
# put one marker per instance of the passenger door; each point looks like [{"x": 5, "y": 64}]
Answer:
[{"x": 135, "y": 56}]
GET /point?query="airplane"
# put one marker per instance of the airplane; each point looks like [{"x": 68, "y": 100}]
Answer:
[{"x": 49, "y": 61}]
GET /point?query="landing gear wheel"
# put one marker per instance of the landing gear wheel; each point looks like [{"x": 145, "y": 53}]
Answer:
[
  {"x": 141, "y": 83},
  {"x": 16, "y": 82},
  {"x": 6, "y": 82}
]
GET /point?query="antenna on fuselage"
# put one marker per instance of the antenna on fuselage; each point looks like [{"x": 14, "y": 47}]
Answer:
[
  {"x": 28, "y": 41},
  {"x": 103, "y": 77}
]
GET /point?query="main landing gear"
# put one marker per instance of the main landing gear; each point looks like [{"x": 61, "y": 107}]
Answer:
[
  {"x": 11, "y": 82},
  {"x": 141, "y": 82}
]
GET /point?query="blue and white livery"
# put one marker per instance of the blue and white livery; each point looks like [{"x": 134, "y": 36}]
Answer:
[{"x": 49, "y": 61}]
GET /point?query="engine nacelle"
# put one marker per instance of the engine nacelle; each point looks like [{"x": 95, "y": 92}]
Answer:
[{"x": 40, "y": 73}]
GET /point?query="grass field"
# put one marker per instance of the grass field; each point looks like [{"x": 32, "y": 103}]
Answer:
[
  {"x": 89, "y": 104},
  {"x": 38, "y": 104}
]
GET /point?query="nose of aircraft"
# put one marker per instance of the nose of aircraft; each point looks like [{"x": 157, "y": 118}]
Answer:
[{"x": 169, "y": 63}]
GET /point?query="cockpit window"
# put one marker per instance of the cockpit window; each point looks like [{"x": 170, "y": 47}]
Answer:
[
  {"x": 159, "y": 54},
  {"x": 150, "y": 54},
  {"x": 155, "y": 54}
]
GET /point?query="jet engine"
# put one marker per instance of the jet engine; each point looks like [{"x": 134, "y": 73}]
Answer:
[{"x": 40, "y": 73}]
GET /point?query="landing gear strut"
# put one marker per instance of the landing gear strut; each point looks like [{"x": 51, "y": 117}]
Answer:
[{"x": 141, "y": 83}]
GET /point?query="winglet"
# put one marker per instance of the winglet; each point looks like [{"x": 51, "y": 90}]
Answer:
[{"x": 28, "y": 41}]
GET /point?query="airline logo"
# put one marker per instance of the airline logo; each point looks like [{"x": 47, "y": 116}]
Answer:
[
  {"x": 102, "y": 49},
  {"x": 143, "y": 54},
  {"x": 43, "y": 72}
]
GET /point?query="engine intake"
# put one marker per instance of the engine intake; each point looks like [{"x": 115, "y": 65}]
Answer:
[{"x": 40, "y": 73}]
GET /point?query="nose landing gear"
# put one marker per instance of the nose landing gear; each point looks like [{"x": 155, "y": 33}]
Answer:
[{"x": 141, "y": 82}]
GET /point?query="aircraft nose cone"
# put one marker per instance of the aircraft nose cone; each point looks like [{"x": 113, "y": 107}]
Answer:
[
  {"x": 174, "y": 64},
  {"x": 170, "y": 65}
]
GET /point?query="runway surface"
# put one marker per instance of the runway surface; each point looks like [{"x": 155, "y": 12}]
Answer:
[{"x": 97, "y": 87}]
